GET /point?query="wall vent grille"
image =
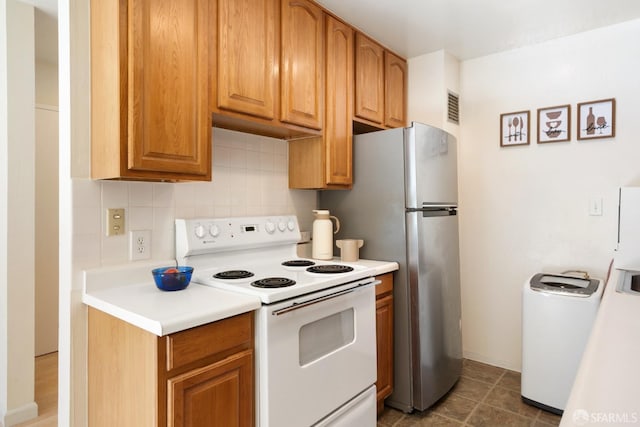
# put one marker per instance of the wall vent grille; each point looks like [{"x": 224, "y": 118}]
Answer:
[{"x": 453, "y": 107}]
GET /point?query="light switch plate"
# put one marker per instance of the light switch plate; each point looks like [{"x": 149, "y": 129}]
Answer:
[
  {"x": 115, "y": 221},
  {"x": 595, "y": 206}
]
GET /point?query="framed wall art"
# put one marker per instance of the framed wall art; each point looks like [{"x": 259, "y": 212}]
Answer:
[
  {"x": 514, "y": 129},
  {"x": 554, "y": 124},
  {"x": 597, "y": 119}
]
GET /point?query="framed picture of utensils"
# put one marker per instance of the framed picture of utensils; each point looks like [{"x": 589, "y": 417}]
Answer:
[
  {"x": 514, "y": 129},
  {"x": 554, "y": 124},
  {"x": 597, "y": 119}
]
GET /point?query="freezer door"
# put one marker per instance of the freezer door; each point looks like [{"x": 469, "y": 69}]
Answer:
[
  {"x": 431, "y": 166},
  {"x": 434, "y": 286}
]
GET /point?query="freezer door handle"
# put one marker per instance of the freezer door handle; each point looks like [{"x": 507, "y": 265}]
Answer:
[{"x": 435, "y": 206}]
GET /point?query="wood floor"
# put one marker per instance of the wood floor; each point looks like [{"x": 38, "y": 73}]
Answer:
[{"x": 46, "y": 390}]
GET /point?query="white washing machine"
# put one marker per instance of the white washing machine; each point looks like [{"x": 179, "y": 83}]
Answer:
[{"x": 557, "y": 315}]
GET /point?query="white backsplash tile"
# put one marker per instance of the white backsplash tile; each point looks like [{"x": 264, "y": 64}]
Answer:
[
  {"x": 163, "y": 236},
  {"x": 87, "y": 193},
  {"x": 163, "y": 195},
  {"x": 86, "y": 249},
  {"x": 140, "y": 218},
  {"x": 141, "y": 194},
  {"x": 249, "y": 178},
  {"x": 115, "y": 249},
  {"x": 86, "y": 219},
  {"x": 115, "y": 194}
]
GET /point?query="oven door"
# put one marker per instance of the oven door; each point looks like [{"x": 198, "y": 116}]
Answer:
[{"x": 315, "y": 353}]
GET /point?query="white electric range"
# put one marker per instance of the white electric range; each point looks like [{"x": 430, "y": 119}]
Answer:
[{"x": 315, "y": 332}]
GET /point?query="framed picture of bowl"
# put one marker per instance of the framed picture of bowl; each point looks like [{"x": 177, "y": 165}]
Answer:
[
  {"x": 514, "y": 129},
  {"x": 554, "y": 124},
  {"x": 597, "y": 119}
]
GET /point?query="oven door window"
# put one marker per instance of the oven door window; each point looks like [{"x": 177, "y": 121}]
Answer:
[{"x": 324, "y": 336}]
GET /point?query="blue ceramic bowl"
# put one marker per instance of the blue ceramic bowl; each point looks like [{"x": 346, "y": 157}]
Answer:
[{"x": 172, "y": 281}]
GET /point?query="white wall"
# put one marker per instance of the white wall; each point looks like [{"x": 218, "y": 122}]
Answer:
[
  {"x": 4, "y": 212},
  {"x": 525, "y": 209},
  {"x": 46, "y": 230},
  {"x": 431, "y": 76},
  {"x": 46, "y": 83},
  {"x": 16, "y": 221},
  {"x": 46, "y": 204}
]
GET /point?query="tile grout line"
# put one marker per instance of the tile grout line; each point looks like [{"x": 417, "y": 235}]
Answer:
[
  {"x": 481, "y": 401},
  {"x": 535, "y": 418}
]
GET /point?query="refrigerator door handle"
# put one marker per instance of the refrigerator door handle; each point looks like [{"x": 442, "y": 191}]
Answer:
[{"x": 436, "y": 211}]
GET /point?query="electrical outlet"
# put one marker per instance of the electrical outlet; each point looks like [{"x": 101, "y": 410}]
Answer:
[{"x": 139, "y": 245}]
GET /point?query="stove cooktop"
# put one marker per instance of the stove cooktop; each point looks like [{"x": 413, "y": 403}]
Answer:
[
  {"x": 233, "y": 253},
  {"x": 305, "y": 281}
]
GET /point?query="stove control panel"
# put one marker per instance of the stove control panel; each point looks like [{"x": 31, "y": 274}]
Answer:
[{"x": 210, "y": 235}]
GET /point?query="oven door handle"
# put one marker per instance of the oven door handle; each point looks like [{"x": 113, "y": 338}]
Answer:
[{"x": 297, "y": 306}]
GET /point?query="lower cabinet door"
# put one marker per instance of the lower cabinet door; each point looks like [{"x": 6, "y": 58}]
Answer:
[
  {"x": 217, "y": 395},
  {"x": 384, "y": 337}
]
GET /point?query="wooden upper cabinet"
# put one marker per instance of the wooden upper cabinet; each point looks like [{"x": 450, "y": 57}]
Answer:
[
  {"x": 369, "y": 80},
  {"x": 395, "y": 70},
  {"x": 301, "y": 72},
  {"x": 325, "y": 161},
  {"x": 247, "y": 61},
  {"x": 338, "y": 133},
  {"x": 150, "y": 94}
]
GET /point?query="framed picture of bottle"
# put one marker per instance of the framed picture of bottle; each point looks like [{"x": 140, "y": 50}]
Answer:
[{"x": 597, "y": 119}]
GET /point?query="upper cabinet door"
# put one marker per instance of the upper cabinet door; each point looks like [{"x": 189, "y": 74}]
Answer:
[
  {"x": 247, "y": 62},
  {"x": 369, "y": 102},
  {"x": 169, "y": 124},
  {"x": 302, "y": 86},
  {"x": 395, "y": 90},
  {"x": 339, "y": 98}
]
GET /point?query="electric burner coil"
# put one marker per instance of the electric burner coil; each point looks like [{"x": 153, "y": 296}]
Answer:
[
  {"x": 273, "y": 282},
  {"x": 330, "y": 269},
  {"x": 233, "y": 274},
  {"x": 298, "y": 263}
]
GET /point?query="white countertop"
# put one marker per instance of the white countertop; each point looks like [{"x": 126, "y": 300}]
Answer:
[
  {"x": 605, "y": 391},
  {"x": 128, "y": 292},
  {"x": 378, "y": 267}
]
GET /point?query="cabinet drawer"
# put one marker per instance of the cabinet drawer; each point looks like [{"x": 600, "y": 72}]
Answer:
[
  {"x": 194, "y": 344},
  {"x": 386, "y": 286}
]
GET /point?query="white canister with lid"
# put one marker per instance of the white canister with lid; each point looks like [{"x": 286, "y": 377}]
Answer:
[{"x": 322, "y": 235}]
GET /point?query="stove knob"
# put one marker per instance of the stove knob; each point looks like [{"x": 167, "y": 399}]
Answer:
[
  {"x": 282, "y": 226},
  {"x": 270, "y": 227},
  {"x": 199, "y": 231},
  {"x": 291, "y": 225},
  {"x": 214, "y": 230}
]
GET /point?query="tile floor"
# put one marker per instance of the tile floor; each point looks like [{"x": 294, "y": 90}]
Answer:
[{"x": 485, "y": 395}]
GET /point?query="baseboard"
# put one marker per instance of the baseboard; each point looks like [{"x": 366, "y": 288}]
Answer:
[
  {"x": 491, "y": 361},
  {"x": 19, "y": 415}
]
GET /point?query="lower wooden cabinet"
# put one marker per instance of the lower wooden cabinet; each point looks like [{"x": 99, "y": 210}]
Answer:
[
  {"x": 384, "y": 338},
  {"x": 199, "y": 377},
  {"x": 213, "y": 395}
]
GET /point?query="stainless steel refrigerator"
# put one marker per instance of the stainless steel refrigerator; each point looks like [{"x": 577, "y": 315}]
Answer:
[{"x": 404, "y": 204}]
